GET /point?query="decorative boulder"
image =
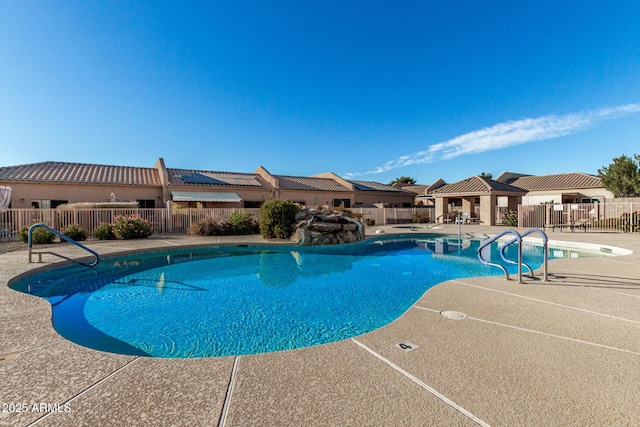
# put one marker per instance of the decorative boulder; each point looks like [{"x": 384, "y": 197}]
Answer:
[{"x": 325, "y": 226}]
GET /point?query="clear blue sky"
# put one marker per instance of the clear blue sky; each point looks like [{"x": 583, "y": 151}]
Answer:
[{"x": 366, "y": 89}]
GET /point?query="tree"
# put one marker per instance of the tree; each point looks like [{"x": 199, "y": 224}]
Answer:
[
  {"x": 277, "y": 218},
  {"x": 622, "y": 177},
  {"x": 403, "y": 180},
  {"x": 486, "y": 175}
]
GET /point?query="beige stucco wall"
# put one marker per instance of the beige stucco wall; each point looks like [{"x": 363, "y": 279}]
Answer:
[
  {"x": 513, "y": 202},
  {"x": 247, "y": 195},
  {"x": 468, "y": 204},
  {"x": 488, "y": 209},
  {"x": 23, "y": 193},
  {"x": 394, "y": 200},
  {"x": 251, "y": 195},
  {"x": 442, "y": 206},
  {"x": 555, "y": 196},
  {"x": 314, "y": 198}
]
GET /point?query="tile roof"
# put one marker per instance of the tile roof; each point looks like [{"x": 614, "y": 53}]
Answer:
[
  {"x": 557, "y": 182},
  {"x": 423, "y": 190},
  {"x": 475, "y": 185},
  {"x": 79, "y": 173},
  {"x": 189, "y": 177},
  {"x": 309, "y": 183},
  {"x": 376, "y": 186},
  {"x": 509, "y": 177}
]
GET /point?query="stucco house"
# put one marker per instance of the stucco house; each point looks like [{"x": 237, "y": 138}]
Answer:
[
  {"x": 50, "y": 184},
  {"x": 476, "y": 197},
  {"x": 559, "y": 188},
  {"x": 485, "y": 200},
  {"x": 424, "y": 193}
]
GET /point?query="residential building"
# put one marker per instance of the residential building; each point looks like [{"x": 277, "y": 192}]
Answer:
[
  {"x": 476, "y": 197},
  {"x": 484, "y": 200},
  {"x": 559, "y": 188},
  {"x": 50, "y": 184}
]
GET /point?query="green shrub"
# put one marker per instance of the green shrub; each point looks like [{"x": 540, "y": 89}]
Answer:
[
  {"x": 421, "y": 216},
  {"x": 277, "y": 218},
  {"x": 127, "y": 227},
  {"x": 40, "y": 236},
  {"x": 243, "y": 222},
  {"x": 210, "y": 226},
  {"x": 510, "y": 219},
  {"x": 104, "y": 232},
  {"x": 75, "y": 232}
]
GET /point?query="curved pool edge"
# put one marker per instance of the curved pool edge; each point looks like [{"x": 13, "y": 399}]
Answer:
[
  {"x": 286, "y": 246},
  {"x": 343, "y": 369},
  {"x": 164, "y": 243}
]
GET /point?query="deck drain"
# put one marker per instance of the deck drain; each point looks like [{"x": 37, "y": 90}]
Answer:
[{"x": 453, "y": 315}]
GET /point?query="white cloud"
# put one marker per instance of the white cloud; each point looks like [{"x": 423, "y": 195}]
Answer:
[{"x": 503, "y": 135}]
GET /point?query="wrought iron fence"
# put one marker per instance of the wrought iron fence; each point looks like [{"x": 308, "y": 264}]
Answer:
[
  {"x": 176, "y": 221},
  {"x": 384, "y": 216},
  {"x": 605, "y": 216},
  {"x": 164, "y": 221},
  {"x": 609, "y": 216}
]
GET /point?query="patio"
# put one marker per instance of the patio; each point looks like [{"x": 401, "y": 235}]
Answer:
[{"x": 566, "y": 352}]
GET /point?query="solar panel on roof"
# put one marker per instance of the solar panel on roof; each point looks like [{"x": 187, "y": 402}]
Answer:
[
  {"x": 235, "y": 179},
  {"x": 372, "y": 186},
  {"x": 361, "y": 186},
  {"x": 197, "y": 178}
]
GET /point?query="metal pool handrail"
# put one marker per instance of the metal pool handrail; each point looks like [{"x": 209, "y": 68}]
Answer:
[
  {"x": 507, "y": 260},
  {"x": 545, "y": 245},
  {"x": 490, "y": 240},
  {"x": 518, "y": 238},
  {"x": 435, "y": 221},
  {"x": 63, "y": 237}
]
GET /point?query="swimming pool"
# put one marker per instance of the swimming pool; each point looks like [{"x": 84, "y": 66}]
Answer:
[{"x": 234, "y": 300}]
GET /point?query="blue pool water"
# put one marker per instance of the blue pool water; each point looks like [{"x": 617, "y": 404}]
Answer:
[{"x": 223, "y": 301}]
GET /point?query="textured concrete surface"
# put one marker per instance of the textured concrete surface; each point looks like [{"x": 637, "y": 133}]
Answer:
[{"x": 563, "y": 352}]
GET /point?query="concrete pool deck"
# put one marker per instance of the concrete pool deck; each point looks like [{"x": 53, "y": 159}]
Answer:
[{"x": 564, "y": 352}]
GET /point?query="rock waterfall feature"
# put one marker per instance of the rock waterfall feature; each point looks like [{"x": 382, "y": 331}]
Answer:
[{"x": 326, "y": 226}]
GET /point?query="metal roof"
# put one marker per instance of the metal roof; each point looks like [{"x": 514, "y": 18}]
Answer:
[
  {"x": 563, "y": 181},
  {"x": 309, "y": 183},
  {"x": 204, "y": 196},
  {"x": 80, "y": 173},
  {"x": 188, "y": 177},
  {"x": 376, "y": 186},
  {"x": 477, "y": 185}
]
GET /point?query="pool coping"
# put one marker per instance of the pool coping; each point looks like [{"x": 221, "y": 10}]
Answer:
[{"x": 586, "y": 318}]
